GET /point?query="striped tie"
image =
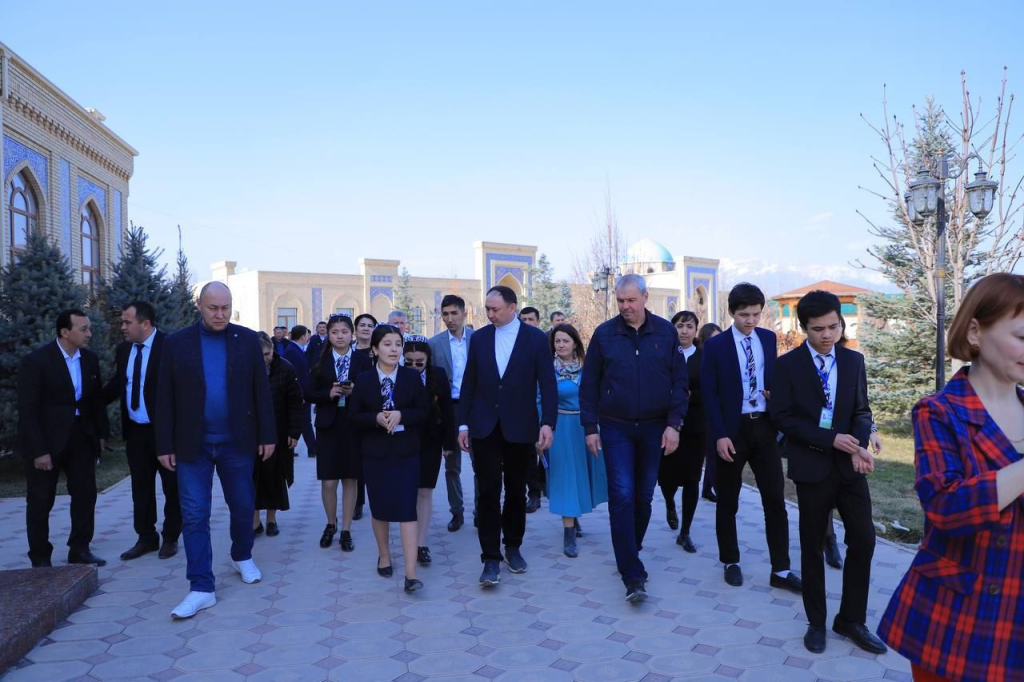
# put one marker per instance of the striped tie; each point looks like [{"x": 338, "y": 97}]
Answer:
[{"x": 751, "y": 372}]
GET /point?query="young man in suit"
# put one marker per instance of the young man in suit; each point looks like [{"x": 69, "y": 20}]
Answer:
[
  {"x": 295, "y": 354},
  {"x": 820, "y": 402},
  {"x": 214, "y": 411},
  {"x": 449, "y": 350},
  {"x": 62, "y": 426},
  {"x": 506, "y": 364},
  {"x": 535, "y": 477},
  {"x": 135, "y": 385},
  {"x": 736, "y": 377},
  {"x": 316, "y": 343}
]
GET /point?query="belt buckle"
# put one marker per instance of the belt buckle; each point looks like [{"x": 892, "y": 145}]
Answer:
[{"x": 755, "y": 415}]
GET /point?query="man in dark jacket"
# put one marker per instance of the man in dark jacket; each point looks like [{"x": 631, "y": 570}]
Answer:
[
  {"x": 62, "y": 425},
  {"x": 634, "y": 389},
  {"x": 214, "y": 411}
]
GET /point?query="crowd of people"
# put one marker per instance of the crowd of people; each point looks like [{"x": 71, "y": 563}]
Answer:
[{"x": 648, "y": 402}]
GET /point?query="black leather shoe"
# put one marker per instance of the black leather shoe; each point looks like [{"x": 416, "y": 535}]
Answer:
[
  {"x": 859, "y": 634},
  {"x": 456, "y": 523},
  {"x": 733, "y": 575},
  {"x": 137, "y": 550},
  {"x": 814, "y": 640},
  {"x": 578, "y": 527},
  {"x": 832, "y": 556},
  {"x": 423, "y": 556},
  {"x": 791, "y": 582},
  {"x": 346, "y": 541},
  {"x": 258, "y": 530},
  {"x": 686, "y": 543},
  {"x": 384, "y": 571},
  {"x": 42, "y": 563},
  {"x": 636, "y": 593},
  {"x": 328, "y": 537},
  {"x": 357, "y": 513},
  {"x": 168, "y": 549},
  {"x": 672, "y": 518},
  {"x": 710, "y": 497},
  {"x": 86, "y": 557},
  {"x": 272, "y": 529},
  {"x": 516, "y": 562},
  {"x": 491, "y": 575},
  {"x": 412, "y": 584},
  {"x": 533, "y": 504}
]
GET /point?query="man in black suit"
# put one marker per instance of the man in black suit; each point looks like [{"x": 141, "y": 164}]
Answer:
[
  {"x": 62, "y": 426},
  {"x": 820, "y": 402},
  {"x": 316, "y": 342},
  {"x": 507, "y": 361},
  {"x": 135, "y": 384}
]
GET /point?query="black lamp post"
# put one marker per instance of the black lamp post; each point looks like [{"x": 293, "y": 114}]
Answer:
[{"x": 601, "y": 281}]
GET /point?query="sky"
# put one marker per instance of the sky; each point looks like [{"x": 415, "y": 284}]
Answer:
[{"x": 303, "y": 137}]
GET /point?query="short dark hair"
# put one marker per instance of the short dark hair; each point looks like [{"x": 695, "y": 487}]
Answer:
[
  {"x": 685, "y": 315},
  {"x": 506, "y": 293},
  {"x": 529, "y": 310},
  {"x": 298, "y": 331},
  {"x": 144, "y": 312},
  {"x": 551, "y": 317},
  {"x": 707, "y": 331},
  {"x": 281, "y": 327},
  {"x": 64, "y": 319},
  {"x": 367, "y": 316},
  {"x": 452, "y": 299},
  {"x": 989, "y": 300},
  {"x": 321, "y": 322},
  {"x": 817, "y": 303},
  {"x": 744, "y": 295},
  {"x": 571, "y": 332}
]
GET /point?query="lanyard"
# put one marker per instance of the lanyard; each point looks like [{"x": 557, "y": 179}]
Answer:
[{"x": 824, "y": 377}]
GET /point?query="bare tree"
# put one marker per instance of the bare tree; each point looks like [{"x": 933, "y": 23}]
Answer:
[{"x": 605, "y": 249}]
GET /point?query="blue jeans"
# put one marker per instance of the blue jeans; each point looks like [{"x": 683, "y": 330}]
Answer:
[
  {"x": 195, "y": 488},
  {"x": 632, "y": 455}
]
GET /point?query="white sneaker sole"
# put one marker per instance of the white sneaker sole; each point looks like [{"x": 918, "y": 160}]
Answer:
[
  {"x": 238, "y": 570},
  {"x": 176, "y": 616}
]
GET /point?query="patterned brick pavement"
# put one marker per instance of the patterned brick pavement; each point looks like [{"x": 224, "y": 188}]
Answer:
[{"x": 326, "y": 615}]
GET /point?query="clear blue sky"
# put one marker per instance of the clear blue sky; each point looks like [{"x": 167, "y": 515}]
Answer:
[{"x": 303, "y": 136}]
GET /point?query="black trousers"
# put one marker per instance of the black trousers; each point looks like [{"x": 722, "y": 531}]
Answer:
[
  {"x": 755, "y": 445},
  {"x": 78, "y": 462},
  {"x": 496, "y": 460},
  {"x": 852, "y": 499},
  {"x": 535, "y": 475},
  {"x": 140, "y": 446}
]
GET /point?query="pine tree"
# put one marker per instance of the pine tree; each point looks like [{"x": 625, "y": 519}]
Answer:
[
  {"x": 138, "y": 275},
  {"x": 404, "y": 301},
  {"x": 547, "y": 295},
  {"x": 181, "y": 308}
]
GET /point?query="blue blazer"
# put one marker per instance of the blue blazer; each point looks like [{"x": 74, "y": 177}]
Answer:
[
  {"x": 297, "y": 359},
  {"x": 487, "y": 399},
  {"x": 722, "y": 385},
  {"x": 181, "y": 401},
  {"x": 410, "y": 398}
]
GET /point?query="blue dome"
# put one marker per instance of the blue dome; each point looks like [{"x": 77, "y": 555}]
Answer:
[{"x": 648, "y": 251}]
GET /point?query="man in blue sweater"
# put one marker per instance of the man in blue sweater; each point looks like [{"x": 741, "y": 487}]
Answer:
[{"x": 214, "y": 412}]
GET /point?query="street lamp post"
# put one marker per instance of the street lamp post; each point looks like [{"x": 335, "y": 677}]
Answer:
[
  {"x": 600, "y": 280},
  {"x": 927, "y": 198}
]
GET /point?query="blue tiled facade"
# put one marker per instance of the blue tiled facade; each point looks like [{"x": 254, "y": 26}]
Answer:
[
  {"x": 65, "y": 206},
  {"x": 382, "y": 291},
  {"x": 88, "y": 189},
  {"x": 15, "y": 152},
  {"x": 318, "y": 304},
  {"x": 491, "y": 272},
  {"x": 116, "y": 226}
]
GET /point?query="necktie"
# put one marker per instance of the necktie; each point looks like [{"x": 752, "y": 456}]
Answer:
[
  {"x": 823, "y": 376},
  {"x": 423, "y": 377},
  {"x": 751, "y": 372},
  {"x": 387, "y": 392},
  {"x": 341, "y": 366},
  {"x": 137, "y": 377}
]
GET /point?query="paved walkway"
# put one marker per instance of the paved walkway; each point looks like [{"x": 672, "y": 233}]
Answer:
[{"x": 322, "y": 614}]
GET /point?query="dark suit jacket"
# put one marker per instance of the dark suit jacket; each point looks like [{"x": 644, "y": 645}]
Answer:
[
  {"x": 181, "y": 402},
  {"x": 46, "y": 403},
  {"x": 297, "y": 359},
  {"x": 321, "y": 381},
  {"x": 441, "y": 352},
  {"x": 797, "y": 399},
  {"x": 722, "y": 384},
  {"x": 118, "y": 386},
  {"x": 487, "y": 399},
  {"x": 440, "y": 426},
  {"x": 410, "y": 398},
  {"x": 313, "y": 349},
  {"x": 695, "y": 421}
]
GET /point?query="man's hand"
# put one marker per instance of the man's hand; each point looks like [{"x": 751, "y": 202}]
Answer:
[
  {"x": 292, "y": 442},
  {"x": 767, "y": 394},
  {"x": 725, "y": 449},
  {"x": 464, "y": 444},
  {"x": 863, "y": 462},
  {"x": 266, "y": 451},
  {"x": 670, "y": 440},
  {"x": 168, "y": 462},
  {"x": 876, "y": 443},
  {"x": 844, "y": 442},
  {"x": 546, "y": 437},
  {"x": 43, "y": 463},
  {"x": 594, "y": 443}
]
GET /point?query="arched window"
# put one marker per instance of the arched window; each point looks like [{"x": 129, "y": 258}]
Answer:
[
  {"x": 90, "y": 250},
  {"x": 23, "y": 211}
]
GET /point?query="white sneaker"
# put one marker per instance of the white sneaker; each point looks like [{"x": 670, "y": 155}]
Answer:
[
  {"x": 193, "y": 603},
  {"x": 247, "y": 569}
]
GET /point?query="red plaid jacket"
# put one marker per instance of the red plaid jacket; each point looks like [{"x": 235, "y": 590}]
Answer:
[{"x": 959, "y": 611}]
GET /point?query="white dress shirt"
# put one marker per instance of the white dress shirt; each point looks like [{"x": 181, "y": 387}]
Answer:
[
  {"x": 741, "y": 353},
  {"x": 830, "y": 369},
  {"x": 74, "y": 363},
  {"x": 141, "y": 415},
  {"x": 460, "y": 352},
  {"x": 688, "y": 352},
  {"x": 337, "y": 356},
  {"x": 504, "y": 342}
]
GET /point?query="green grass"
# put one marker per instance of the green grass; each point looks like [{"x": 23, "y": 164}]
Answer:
[
  {"x": 892, "y": 489},
  {"x": 112, "y": 469}
]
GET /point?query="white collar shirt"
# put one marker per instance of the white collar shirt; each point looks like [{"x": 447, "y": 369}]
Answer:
[
  {"x": 504, "y": 342},
  {"x": 141, "y": 415},
  {"x": 74, "y": 363},
  {"x": 830, "y": 370},
  {"x": 460, "y": 353},
  {"x": 760, "y": 404},
  {"x": 688, "y": 352},
  {"x": 348, "y": 369}
]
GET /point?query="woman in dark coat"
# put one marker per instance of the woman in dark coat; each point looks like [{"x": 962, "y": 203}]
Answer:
[
  {"x": 274, "y": 476},
  {"x": 330, "y": 385},
  {"x": 438, "y": 435}
]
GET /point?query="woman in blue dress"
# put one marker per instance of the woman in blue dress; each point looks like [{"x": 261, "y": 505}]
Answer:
[{"x": 576, "y": 480}]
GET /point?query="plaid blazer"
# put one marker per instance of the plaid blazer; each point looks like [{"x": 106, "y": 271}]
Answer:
[{"x": 959, "y": 611}]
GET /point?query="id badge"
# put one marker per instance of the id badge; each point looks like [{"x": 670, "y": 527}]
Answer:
[
  {"x": 341, "y": 401},
  {"x": 826, "y": 419}
]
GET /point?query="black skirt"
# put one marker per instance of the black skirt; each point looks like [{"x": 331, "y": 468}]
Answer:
[
  {"x": 337, "y": 451},
  {"x": 391, "y": 487},
  {"x": 430, "y": 463},
  {"x": 685, "y": 463},
  {"x": 271, "y": 479}
]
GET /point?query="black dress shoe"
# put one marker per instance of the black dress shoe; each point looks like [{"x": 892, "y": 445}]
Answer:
[
  {"x": 491, "y": 575},
  {"x": 346, "y": 541},
  {"x": 533, "y": 504},
  {"x": 672, "y": 518},
  {"x": 859, "y": 634},
  {"x": 423, "y": 556},
  {"x": 791, "y": 582},
  {"x": 384, "y": 571},
  {"x": 139, "y": 549},
  {"x": 42, "y": 563},
  {"x": 86, "y": 557},
  {"x": 733, "y": 575},
  {"x": 710, "y": 497},
  {"x": 258, "y": 530},
  {"x": 814, "y": 640},
  {"x": 272, "y": 529},
  {"x": 636, "y": 593},
  {"x": 328, "y": 537},
  {"x": 168, "y": 549},
  {"x": 412, "y": 584},
  {"x": 686, "y": 543},
  {"x": 832, "y": 556},
  {"x": 357, "y": 513},
  {"x": 456, "y": 523}
]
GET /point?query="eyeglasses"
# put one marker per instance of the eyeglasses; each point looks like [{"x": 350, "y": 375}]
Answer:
[{"x": 415, "y": 363}]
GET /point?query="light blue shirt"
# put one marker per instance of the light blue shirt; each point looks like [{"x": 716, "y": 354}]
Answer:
[
  {"x": 830, "y": 364},
  {"x": 504, "y": 342},
  {"x": 74, "y": 363},
  {"x": 460, "y": 353},
  {"x": 141, "y": 415},
  {"x": 741, "y": 353}
]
